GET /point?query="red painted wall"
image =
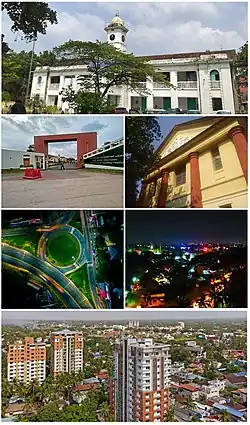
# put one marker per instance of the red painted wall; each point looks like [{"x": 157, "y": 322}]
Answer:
[{"x": 86, "y": 142}]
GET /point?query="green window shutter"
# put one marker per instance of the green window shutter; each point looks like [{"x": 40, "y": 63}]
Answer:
[{"x": 166, "y": 102}]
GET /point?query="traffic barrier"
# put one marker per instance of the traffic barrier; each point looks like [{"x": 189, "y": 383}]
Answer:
[{"x": 32, "y": 173}]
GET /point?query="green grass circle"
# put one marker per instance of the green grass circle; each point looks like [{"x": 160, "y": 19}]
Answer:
[{"x": 62, "y": 249}]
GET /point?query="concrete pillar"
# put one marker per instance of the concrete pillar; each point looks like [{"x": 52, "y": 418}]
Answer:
[
  {"x": 150, "y": 96},
  {"x": 142, "y": 196},
  {"x": 163, "y": 190},
  {"x": 239, "y": 139},
  {"x": 196, "y": 196},
  {"x": 174, "y": 92}
]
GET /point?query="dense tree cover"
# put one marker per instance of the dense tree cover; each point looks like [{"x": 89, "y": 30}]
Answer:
[
  {"x": 30, "y": 18},
  {"x": 141, "y": 134}
]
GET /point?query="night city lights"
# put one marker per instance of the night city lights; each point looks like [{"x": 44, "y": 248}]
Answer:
[
  {"x": 182, "y": 259},
  {"x": 62, "y": 259}
]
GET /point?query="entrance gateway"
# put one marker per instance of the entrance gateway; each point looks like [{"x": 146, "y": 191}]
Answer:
[{"x": 86, "y": 142}]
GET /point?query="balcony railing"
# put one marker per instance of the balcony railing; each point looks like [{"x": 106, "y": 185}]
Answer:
[
  {"x": 215, "y": 84},
  {"x": 160, "y": 86},
  {"x": 187, "y": 84},
  {"x": 54, "y": 86}
]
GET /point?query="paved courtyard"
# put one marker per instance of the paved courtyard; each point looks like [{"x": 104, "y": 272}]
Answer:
[{"x": 63, "y": 189}]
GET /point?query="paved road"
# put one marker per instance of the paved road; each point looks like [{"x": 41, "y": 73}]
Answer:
[
  {"x": 63, "y": 189},
  {"x": 65, "y": 290},
  {"x": 89, "y": 256}
]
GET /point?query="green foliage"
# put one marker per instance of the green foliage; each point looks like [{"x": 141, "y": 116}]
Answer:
[
  {"x": 141, "y": 134},
  {"x": 107, "y": 66},
  {"x": 6, "y": 97},
  {"x": 241, "y": 61},
  {"x": 85, "y": 102},
  {"x": 30, "y": 18}
]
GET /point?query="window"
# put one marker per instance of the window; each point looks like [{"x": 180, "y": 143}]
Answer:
[
  {"x": 216, "y": 159},
  {"x": 217, "y": 103},
  {"x": 214, "y": 75},
  {"x": 39, "y": 80},
  {"x": 180, "y": 176},
  {"x": 55, "y": 80}
]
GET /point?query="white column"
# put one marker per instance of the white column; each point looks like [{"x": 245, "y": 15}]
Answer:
[
  {"x": 227, "y": 87},
  {"x": 150, "y": 96},
  {"x": 61, "y": 85},
  {"x": 205, "y": 91},
  {"x": 174, "y": 94}
]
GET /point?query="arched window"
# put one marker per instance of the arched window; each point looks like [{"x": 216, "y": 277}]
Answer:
[
  {"x": 214, "y": 75},
  {"x": 39, "y": 80}
]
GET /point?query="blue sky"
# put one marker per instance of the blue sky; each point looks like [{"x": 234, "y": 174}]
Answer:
[
  {"x": 18, "y": 131},
  {"x": 154, "y": 28}
]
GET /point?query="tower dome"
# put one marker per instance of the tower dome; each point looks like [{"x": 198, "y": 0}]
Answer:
[{"x": 116, "y": 32}]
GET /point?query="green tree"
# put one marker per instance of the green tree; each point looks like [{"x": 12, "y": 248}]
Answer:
[
  {"x": 169, "y": 415},
  {"x": 105, "y": 412},
  {"x": 30, "y": 18},
  {"x": 86, "y": 102},
  {"x": 107, "y": 66},
  {"x": 189, "y": 404},
  {"x": 141, "y": 134}
]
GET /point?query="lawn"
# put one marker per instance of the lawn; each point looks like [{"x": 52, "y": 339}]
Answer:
[
  {"x": 26, "y": 242},
  {"x": 80, "y": 279},
  {"x": 62, "y": 249}
]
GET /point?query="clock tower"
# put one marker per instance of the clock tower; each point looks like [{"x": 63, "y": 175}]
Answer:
[{"x": 116, "y": 33}]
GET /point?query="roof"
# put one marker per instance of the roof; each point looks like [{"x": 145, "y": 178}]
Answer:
[
  {"x": 189, "y": 387},
  {"x": 194, "y": 55},
  {"x": 229, "y": 409},
  {"x": 235, "y": 379},
  {"x": 14, "y": 408}
]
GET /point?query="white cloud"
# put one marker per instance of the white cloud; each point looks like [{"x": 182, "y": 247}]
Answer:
[
  {"x": 18, "y": 131},
  {"x": 154, "y": 28}
]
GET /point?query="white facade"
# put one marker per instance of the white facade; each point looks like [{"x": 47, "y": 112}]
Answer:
[
  {"x": 141, "y": 367},
  {"x": 201, "y": 81},
  {"x": 213, "y": 389},
  {"x": 15, "y": 159}
]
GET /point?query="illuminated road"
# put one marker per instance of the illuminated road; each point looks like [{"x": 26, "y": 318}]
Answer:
[
  {"x": 63, "y": 288},
  {"x": 89, "y": 256}
]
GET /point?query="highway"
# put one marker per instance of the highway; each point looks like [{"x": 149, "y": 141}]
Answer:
[
  {"x": 63, "y": 287},
  {"x": 89, "y": 256}
]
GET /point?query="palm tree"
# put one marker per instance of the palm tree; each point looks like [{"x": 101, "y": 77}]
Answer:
[
  {"x": 189, "y": 404},
  {"x": 105, "y": 412},
  {"x": 225, "y": 416},
  {"x": 169, "y": 416}
]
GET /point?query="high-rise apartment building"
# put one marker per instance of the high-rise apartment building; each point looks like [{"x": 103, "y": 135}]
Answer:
[
  {"x": 26, "y": 361},
  {"x": 67, "y": 352},
  {"x": 139, "y": 391},
  {"x": 133, "y": 324}
]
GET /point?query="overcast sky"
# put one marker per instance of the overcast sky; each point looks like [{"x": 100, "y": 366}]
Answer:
[
  {"x": 154, "y": 28},
  {"x": 18, "y": 131},
  {"x": 21, "y": 316}
]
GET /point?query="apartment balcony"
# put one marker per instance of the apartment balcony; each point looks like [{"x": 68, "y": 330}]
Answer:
[
  {"x": 215, "y": 84},
  {"x": 182, "y": 85},
  {"x": 161, "y": 86},
  {"x": 54, "y": 87}
]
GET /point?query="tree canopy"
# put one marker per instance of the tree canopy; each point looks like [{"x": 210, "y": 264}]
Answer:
[
  {"x": 30, "y": 18},
  {"x": 141, "y": 134}
]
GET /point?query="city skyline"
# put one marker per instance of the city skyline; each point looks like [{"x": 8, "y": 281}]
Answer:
[{"x": 179, "y": 226}]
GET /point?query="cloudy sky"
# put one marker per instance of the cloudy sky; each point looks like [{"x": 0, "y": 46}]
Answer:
[
  {"x": 18, "y": 131},
  {"x": 154, "y": 28},
  {"x": 22, "y": 316}
]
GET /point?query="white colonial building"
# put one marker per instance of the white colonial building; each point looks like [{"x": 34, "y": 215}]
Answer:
[{"x": 200, "y": 80}]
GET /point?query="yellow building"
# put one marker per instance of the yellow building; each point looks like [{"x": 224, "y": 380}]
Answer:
[{"x": 201, "y": 164}]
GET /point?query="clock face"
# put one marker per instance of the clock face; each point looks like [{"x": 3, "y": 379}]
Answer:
[
  {"x": 177, "y": 144},
  {"x": 123, "y": 38},
  {"x": 112, "y": 37}
]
